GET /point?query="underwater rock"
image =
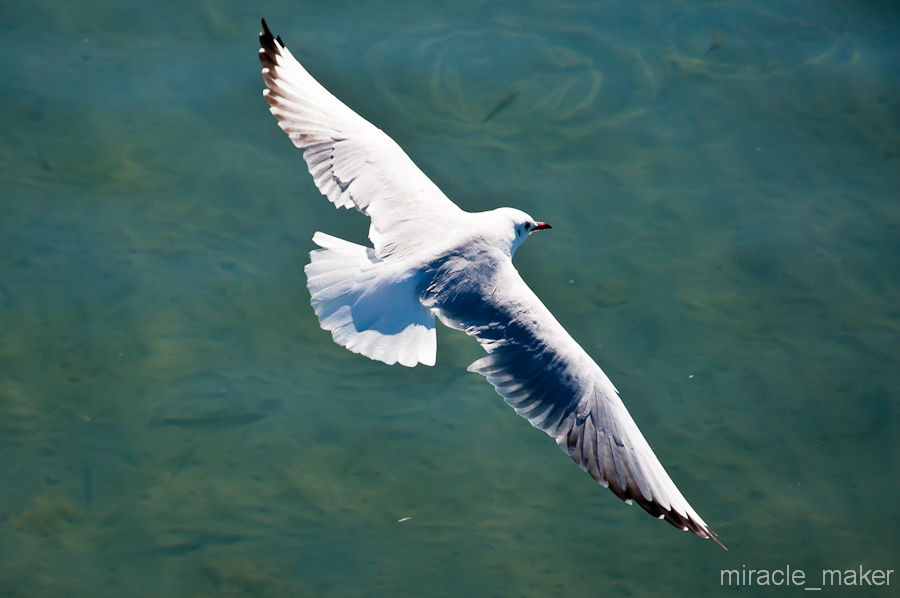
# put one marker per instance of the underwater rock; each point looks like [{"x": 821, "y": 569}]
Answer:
[{"x": 47, "y": 516}]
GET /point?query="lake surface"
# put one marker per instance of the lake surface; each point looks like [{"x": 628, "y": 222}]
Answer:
[{"x": 724, "y": 184}]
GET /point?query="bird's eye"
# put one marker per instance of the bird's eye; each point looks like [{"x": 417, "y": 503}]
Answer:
[{"x": 527, "y": 226}]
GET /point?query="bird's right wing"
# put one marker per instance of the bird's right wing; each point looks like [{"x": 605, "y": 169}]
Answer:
[
  {"x": 540, "y": 371},
  {"x": 353, "y": 162}
]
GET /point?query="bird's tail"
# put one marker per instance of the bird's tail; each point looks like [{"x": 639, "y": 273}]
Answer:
[{"x": 369, "y": 307}]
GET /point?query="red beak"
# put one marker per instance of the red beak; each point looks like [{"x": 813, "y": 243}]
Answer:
[{"x": 541, "y": 226}]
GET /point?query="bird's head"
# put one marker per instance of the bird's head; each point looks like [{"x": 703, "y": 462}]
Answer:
[{"x": 519, "y": 225}]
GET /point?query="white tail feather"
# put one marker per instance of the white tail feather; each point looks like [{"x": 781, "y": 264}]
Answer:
[{"x": 369, "y": 308}]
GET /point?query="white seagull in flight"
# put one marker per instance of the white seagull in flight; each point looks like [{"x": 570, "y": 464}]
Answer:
[{"x": 431, "y": 258}]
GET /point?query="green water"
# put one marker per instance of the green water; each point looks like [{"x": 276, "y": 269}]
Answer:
[{"x": 724, "y": 184}]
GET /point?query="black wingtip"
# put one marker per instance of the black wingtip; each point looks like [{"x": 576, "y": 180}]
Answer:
[
  {"x": 669, "y": 515},
  {"x": 269, "y": 52},
  {"x": 266, "y": 35}
]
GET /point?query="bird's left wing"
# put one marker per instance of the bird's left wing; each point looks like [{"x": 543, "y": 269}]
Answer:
[
  {"x": 353, "y": 163},
  {"x": 539, "y": 370}
]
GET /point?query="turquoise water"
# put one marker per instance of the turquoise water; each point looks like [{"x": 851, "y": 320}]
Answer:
[{"x": 724, "y": 184}]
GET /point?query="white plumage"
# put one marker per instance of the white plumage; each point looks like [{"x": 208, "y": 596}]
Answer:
[
  {"x": 350, "y": 288},
  {"x": 430, "y": 258}
]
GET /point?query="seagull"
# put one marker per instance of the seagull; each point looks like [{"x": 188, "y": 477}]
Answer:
[{"x": 431, "y": 259}]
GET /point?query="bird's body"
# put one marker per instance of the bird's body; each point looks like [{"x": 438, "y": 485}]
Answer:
[{"x": 431, "y": 259}]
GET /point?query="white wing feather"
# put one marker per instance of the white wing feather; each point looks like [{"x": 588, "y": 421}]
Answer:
[
  {"x": 540, "y": 371},
  {"x": 353, "y": 162}
]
